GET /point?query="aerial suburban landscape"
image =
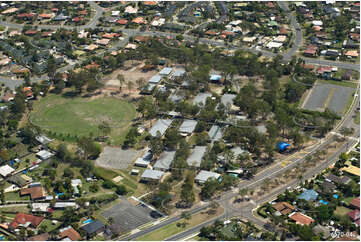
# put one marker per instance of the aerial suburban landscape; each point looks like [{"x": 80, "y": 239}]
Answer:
[{"x": 179, "y": 120}]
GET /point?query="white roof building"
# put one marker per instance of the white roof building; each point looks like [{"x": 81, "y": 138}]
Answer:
[
  {"x": 152, "y": 175},
  {"x": 272, "y": 44},
  {"x": 40, "y": 207},
  {"x": 44, "y": 154},
  {"x": 166, "y": 71},
  {"x": 115, "y": 13},
  {"x": 203, "y": 176},
  {"x": 76, "y": 182},
  {"x": 195, "y": 159},
  {"x": 6, "y": 170},
  {"x": 317, "y": 23}
]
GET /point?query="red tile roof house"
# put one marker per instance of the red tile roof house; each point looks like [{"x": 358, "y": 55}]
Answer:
[
  {"x": 8, "y": 97},
  {"x": 25, "y": 15},
  {"x": 301, "y": 219},
  {"x": 139, "y": 20},
  {"x": 311, "y": 50},
  {"x": 45, "y": 16},
  {"x": 22, "y": 219},
  {"x": 110, "y": 35},
  {"x": 92, "y": 66},
  {"x": 211, "y": 32},
  {"x": 34, "y": 192},
  {"x": 323, "y": 69},
  {"x": 31, "y": 32},
  {"x": 355, "y": 36},
  {"x": 355, "y": 216},
  {"x": 355, "y": 203},
  {"x": 122, "y": 21},
  {"x": 77, "y": 19},
  {"x": 69, "y": 233}
]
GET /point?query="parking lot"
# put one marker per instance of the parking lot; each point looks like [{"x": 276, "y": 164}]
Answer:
[
  {"x": 329, "y": 96},
  {"x": 116, "y": 158},
  {"x": 127, "y": 217}
]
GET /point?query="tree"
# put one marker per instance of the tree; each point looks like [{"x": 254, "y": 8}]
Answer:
[
  {"x": 140, "y": 82},
  {"x": 344, "y": 131},
  {"x": 130, "y": 85},
  {"x": 90, "y": 148},
  {"x": 121, "y": 80},
  {"x": 121, "y": 190},
  {"x": 104, "y": 128},
  {"x": 68, "y": 172},
  {"x": 62, "y": 152}
]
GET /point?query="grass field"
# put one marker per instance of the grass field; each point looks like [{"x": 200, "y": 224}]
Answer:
[
  {"x": 172, "y": 229},
  {"x": 82, "y": 116},
  {"x": 340, "y": 210}
]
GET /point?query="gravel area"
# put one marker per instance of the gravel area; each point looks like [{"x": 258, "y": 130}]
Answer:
[{"x": 116, "y": 158}]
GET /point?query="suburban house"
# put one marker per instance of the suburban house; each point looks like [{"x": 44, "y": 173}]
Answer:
[
  {"x": 308, "y": 195},
  {"x": 69, "y": 233},
  {"x": 36, "y": 192},
  {"x": 93, "y": 228},
  {"x": 203, "y": 176},
  {"x": 39, "y": 237},
  {"x": 6, "y": 170},
  {"x": 283, "y": 208},
  {"x": 301, "y": 218},
  {"x": 20, "y": 180},
  {"x": 44, "y": 154},
  {"x": 25, "y": 220}
]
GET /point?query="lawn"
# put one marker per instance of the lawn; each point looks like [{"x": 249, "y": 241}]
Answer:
[
  {"x": 172, "y": 229},
  {"x": 356, "y": 119},
  {"x": 68, "y": 118},
  {"x": 22, "y": 209},
  {"x": 15, "y": 196},
  {"x": 340, "y": 210},
  {"x": 339, "y": 83},
  {"x": 348, "y": 199},
  {"x": 49, "y": 225}
]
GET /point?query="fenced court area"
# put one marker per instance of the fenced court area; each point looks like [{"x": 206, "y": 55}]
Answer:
[
  {"x": 127, "y": 216},
  {"x": 333, "y": 97}
]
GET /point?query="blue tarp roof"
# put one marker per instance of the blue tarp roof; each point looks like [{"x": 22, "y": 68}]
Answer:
[
  {"x": 282, "y": 146},
  {"x": 323, "y": 202},
  {"x": 308, "y": 195},
  {"x": 335, "y": 196},
  {"x": 215, "y": 77}
]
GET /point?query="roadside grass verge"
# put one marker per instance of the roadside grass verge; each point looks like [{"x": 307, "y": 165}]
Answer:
[
  {"x": 176, "y": 227},
  {"x": 339, "y": 83}
]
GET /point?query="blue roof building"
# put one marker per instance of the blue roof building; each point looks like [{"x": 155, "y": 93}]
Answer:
[{"x": 308, "y": 195}]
